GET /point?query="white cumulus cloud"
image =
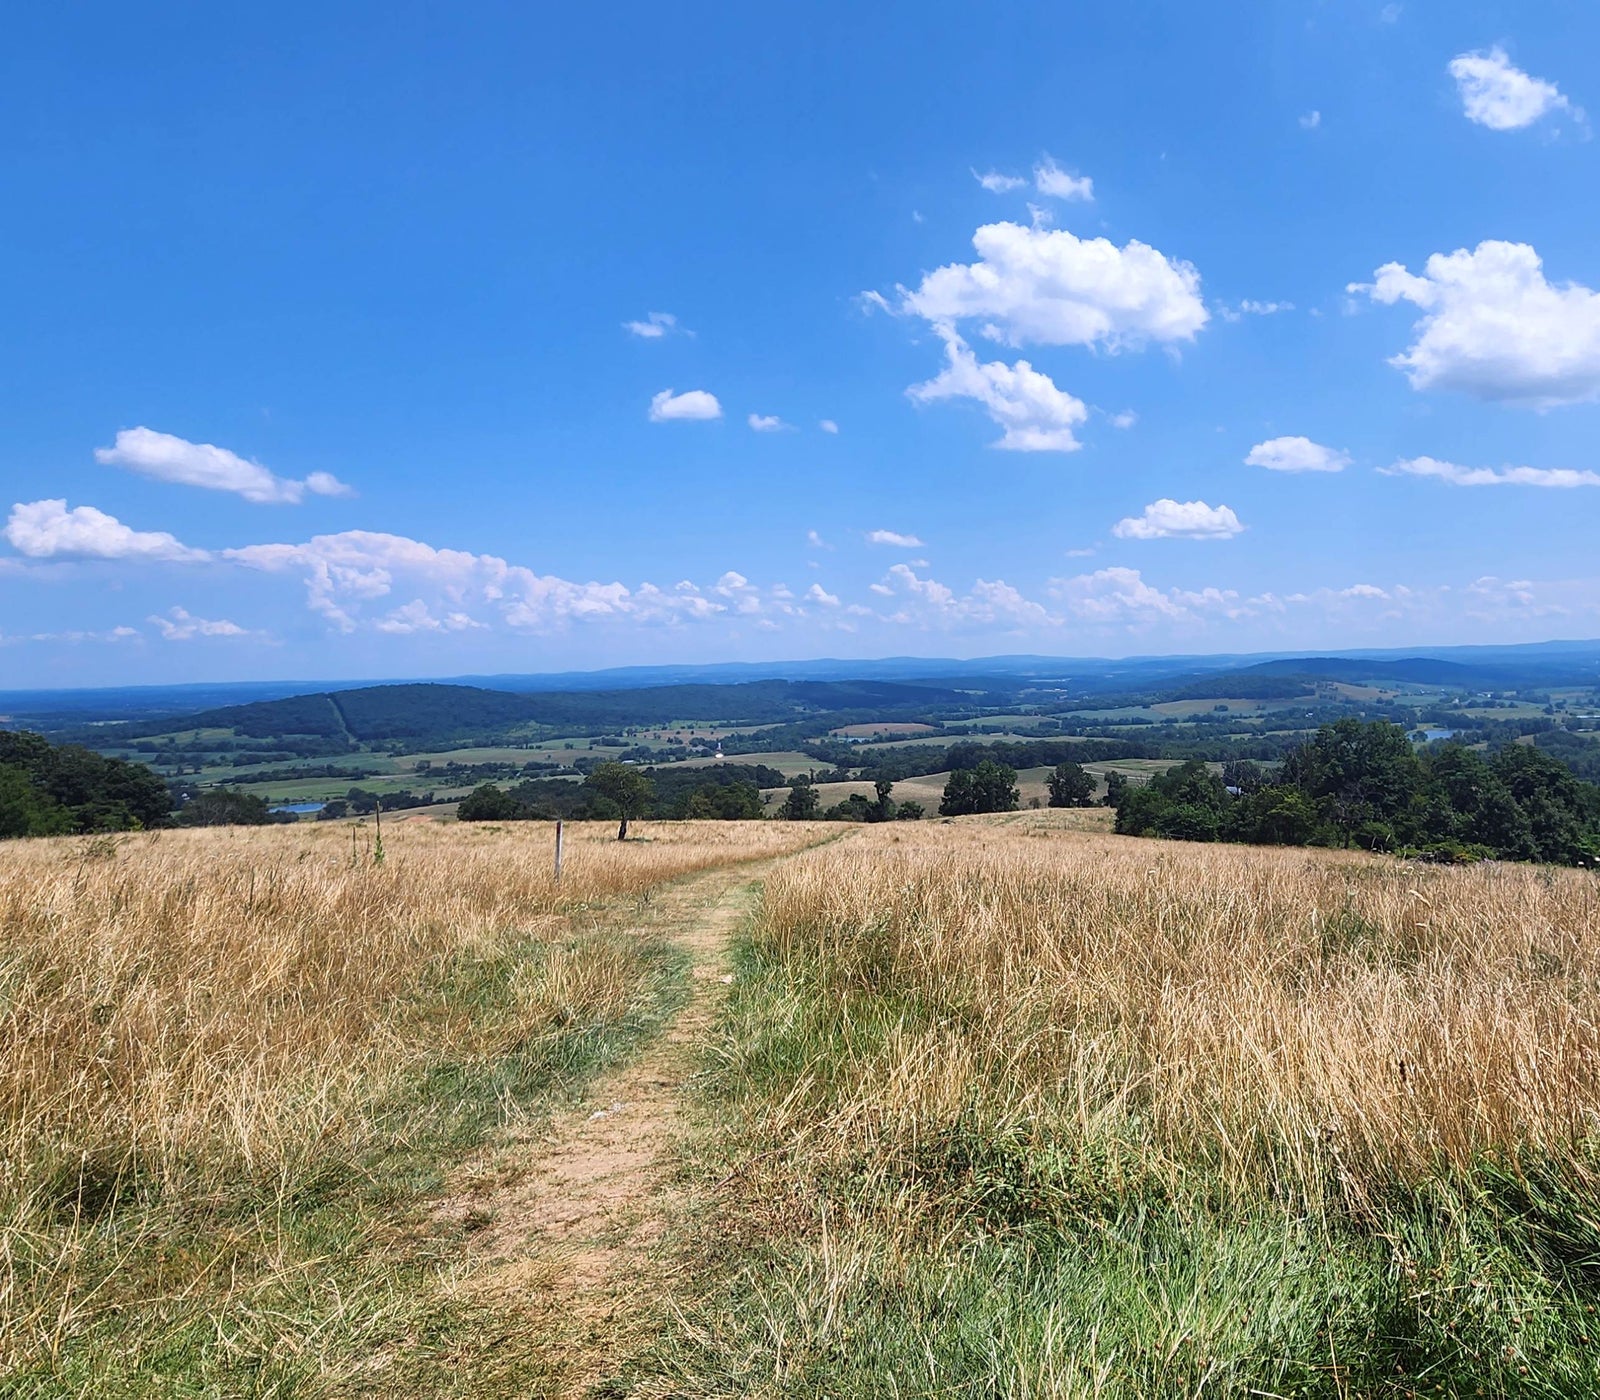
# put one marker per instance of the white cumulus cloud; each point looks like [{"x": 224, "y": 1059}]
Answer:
[
  {"x": 1049, "y": 287},
  {"x": 691, "y": 405},
  {"x": 49, "y": 530},
  {"x": 1184, "y": 520},
  {"x": 1296, "y": 454},
  {"x": 1497, "y": 94},
  {"x": 1036, "y": 416},
  {"x": 1113, "y": 594},
  {"x": 1557, "y": 478},
  {"x": 175, "y": 459},
  {"x": 829, "y": 426},
  {"x": 1494, "y": 327},
  {"x": 346, "y": 572},
  {"x": 893, "y": 537},
  {"x": 417, "y": 616},
  {"x": 767, "y": 423},
  {"x": 925, "y": 602}
]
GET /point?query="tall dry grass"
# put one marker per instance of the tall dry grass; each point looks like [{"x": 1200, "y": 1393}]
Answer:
[
  {"x": 184, "y": 1010},
  {"x": 1300, "y": 1023}
]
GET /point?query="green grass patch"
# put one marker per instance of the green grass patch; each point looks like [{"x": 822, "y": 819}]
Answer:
[{"x": 991, "y": 1256}]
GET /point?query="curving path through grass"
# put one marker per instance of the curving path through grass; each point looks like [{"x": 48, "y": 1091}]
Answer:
[{"x": 561, "y": 1224}]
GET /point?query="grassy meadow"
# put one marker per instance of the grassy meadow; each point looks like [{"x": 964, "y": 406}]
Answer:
[
  {"x": 996, "y": 1107},
  {"x": 1003, "y": 1109},
  {"x": 237, "y": 1062}
]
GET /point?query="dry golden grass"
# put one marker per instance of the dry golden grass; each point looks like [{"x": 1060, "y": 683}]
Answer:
[
  {"x": 1308, "y": 1024},
  {"x": 193, "y": 1007}
]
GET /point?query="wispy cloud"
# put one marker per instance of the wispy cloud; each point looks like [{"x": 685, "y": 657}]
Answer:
[
  {"x": 180, "y": 625},
  {"x": 174, "y": 459},
  {"x": 1554, "y": 478},
  {"x": 654, "y": 326},
  {"x": 1051, "y": 180},
  {"x": 996, "y": 183}
]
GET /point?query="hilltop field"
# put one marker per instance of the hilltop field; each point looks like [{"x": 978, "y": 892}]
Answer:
[{"x": 998, "y": 1106}]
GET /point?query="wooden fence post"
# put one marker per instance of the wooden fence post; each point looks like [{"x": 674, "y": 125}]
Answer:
[{"x": 559, "y": 832}]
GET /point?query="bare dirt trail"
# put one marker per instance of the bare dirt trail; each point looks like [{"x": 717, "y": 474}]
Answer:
[{"x": 563, "y": 1222}]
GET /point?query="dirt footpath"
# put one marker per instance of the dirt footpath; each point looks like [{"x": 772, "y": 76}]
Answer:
[{"x": 563, "y": 1223}]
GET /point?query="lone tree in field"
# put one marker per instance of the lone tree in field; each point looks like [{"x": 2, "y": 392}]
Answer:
[
  {"x": 801, "y": 804},
  {"x": 990, "y": 787},
  {"x": 1070, "y": 786},
  {"x": 627, "y": 789}
]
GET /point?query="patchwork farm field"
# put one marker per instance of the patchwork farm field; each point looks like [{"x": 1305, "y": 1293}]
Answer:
[{"x": 997, "y": 1106}]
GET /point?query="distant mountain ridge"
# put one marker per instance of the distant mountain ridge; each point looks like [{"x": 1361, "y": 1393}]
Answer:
[
  {"x": 426, "y": 710},
  {"x": 1482, "y": 667},
  {"x": 1290, "y": 676}
]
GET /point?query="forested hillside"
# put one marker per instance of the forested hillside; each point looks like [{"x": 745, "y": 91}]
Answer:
[{"x": 444, "y": 713}]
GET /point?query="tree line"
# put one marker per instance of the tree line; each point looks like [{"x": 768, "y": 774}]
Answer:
[
  {"x": 59, "y": 790},
  {"x": 622, "y": 793},
  {"x": 1365, "y": 785}
]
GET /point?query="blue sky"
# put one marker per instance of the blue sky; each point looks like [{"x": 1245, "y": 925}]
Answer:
[{"x": 361, "y": 341}]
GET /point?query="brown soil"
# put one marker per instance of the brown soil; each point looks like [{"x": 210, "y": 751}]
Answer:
[{"x": 563, "y": 1222}]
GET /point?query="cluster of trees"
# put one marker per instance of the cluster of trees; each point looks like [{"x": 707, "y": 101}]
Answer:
[
  {"x": 228, "y": 807},
  {"x": 990, "y": 786},
  {"x": 1363, "y": 784},
  {"x": 613, "y": 791},
  {"x": 363, "y": 802},
  {"x": 50, "y": 790},
  {"x": 920, "y": 760},
  {"x": 622, "y": 793},
  {"x": 987, "y": 787},
  {"x": 1580, "y": 752},
  {"x": 803, "y": 804}
]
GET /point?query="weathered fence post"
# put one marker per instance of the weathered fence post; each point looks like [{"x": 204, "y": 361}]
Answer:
[{"x": 559, "y": 833}]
